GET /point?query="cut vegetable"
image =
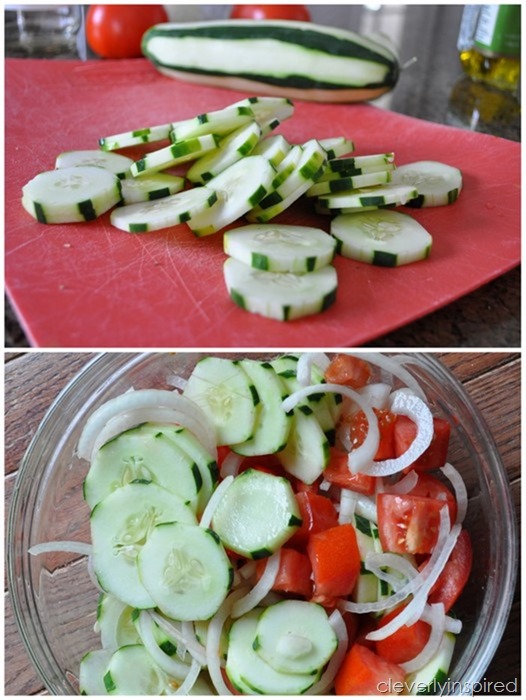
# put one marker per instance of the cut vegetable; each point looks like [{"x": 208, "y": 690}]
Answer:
[
  {"x": 280, "y": 295},
  {"x": 347, "y": 183},
  {"x": 437, "y": 184},
  {"x": 148, "y": 187},
  {"x": 132, "y": 671},
  {"x": 268, "y": 109},
  {"x": 219, "y": 122},
  {"x": 307, "y": 451},
  {"x": 378, "y": 196},
  {"x": 136, "y": 137},
  {"x": 67, "y": 195},
  {"x": 280, "y": 248},
  {"x": 274, "y": 148},
  {"x": 163, "y": 213},
  {"x": 386, "y": 238},
  {"x": 337, "y": 146},
  {"x": 117, "y": 164},
  {"x": 177, "y": 153}
]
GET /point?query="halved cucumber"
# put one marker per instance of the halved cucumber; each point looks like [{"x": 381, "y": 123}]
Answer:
[
  {"x": 114, "y": 162},
  {"x": 280, "y": 248},
  {"x": 349, "y": 182},
  {"x": 387, "y": 238},
  {"x": 149, "y": 187},
  {"x": 272, "y": 423},
  {"x": 283, "y": 296},
  {"x": 231, "y": 148},
  {"x": 307, "y": 451},
  {"x": 437, "y": 184},
  {"x": 177, "y": 153},
  {"x": 295, "y": 636},
  {"x": 239, "y": 188},
  {"x": 186, "y": 570},
  {"x": 219, "y": 122},
  {"x": 227, "y": 395},
  {"x": 257, "y": 514},
  {"x": 163, "y": 213},
  {"x": 381, "y": 195},
  {"x": 65, "y": 195},
  {"x": 143, "y": 453},
  {"x": 136, "y": 137},
  {"x": 250, "y": 673},
  {"x": 120, "y": 526}
]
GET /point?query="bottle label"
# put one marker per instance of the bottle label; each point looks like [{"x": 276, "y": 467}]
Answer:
[{"x": 499, "y": 30}]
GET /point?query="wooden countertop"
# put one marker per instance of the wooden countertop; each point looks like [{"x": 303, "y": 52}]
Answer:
[{"x": 32, "y": 381}]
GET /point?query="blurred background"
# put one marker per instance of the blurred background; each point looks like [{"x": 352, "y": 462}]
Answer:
[{"x": 446, "y": 77}]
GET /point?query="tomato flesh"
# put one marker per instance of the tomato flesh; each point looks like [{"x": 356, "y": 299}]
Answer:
[
  {"x": 429, "y": 486},
  {"x": 317, "y": 514},
  {"x": 294, "y": 573},
  {"x": 115, "y": 31},
  {"x": 404, "y": 644},
  {"x": 298, "y": 13},
  {"x": 363, "y": 672},
  {"x": 455, "y": 574},
  {"x": 348, "y": 370},
  {"x": 335, "y": 561},
  {"x": 435, "y": 456},
  {"x": 337, "y": 472},
  {"x": 408, "y": 524}
]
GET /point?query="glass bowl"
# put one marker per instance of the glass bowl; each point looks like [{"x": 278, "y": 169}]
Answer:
[{"x": 55, "y": 600}]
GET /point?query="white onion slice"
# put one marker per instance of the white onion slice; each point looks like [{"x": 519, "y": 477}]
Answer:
[
  {"x": 260, "y": 590},
  {"x": 348, "y": 501},
  {"x": 93, "y": 576},
  {"x": 461, "y": 493},
  {"x": 169, "y": 665},
  {"x": 362, "y": 457},
  {"x": 366, "y": 507},
  {"x": 324, "y": 685},
  {"x": 375, "y": 561},
  {"x": 417, "y": 410},
  {"x": 213, "y": 642},
  {"x": 186, "y": 637},
  {"x": 190, "y": 680},
  {"x": 177, "y": 381},
  {"x": 212, "y": 504},
  {"x": 435, "y": 617},
  {"x": 61, "y": 546},
  {"x": 231, "y": 464},
  {"x": 305, "y": 362},
  {"x": 393, "y": 366},
  {"x": 140, "y": 406},
  {"x": 405, "y": 485},
  {"x": 376, "y": 394}
]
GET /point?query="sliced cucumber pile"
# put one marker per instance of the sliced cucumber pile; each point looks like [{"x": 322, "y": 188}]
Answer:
[{"x": 223, "y": 165}]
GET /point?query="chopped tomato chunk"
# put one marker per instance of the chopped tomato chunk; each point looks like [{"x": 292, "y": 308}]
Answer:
[
  {"x": 337, "y": 472},
  {"x": 365, "y": 673},
  {"x": 406, "y": 642},
  {"x": 455, "y": 574},
  {"x": 429, "y": 486},
  {"x": 335, "y": 560},
  {"x": 294, "y": 573},
  {"x": 436, "y": 454},
  {"x": 408, "y": 524},
  {"x": 359, "y": 427},
  {"x": 348, "y": 370},
  {"x": 317, "y": 514}
]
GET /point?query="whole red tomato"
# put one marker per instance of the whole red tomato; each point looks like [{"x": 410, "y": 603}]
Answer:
[
  {"x": 115, "y": 31},
  {"x": 290, "y": 12}
]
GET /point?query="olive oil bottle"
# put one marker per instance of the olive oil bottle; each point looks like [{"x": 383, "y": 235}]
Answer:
[{"x": 489, "y": 45}]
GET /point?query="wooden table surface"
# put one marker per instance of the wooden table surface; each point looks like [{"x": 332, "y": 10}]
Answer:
[{"x": 32, "y": 380}]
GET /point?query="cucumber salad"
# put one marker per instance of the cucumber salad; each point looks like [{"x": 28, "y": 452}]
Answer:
[
  {"x": 283, "y": 526},
  {"x": 228, "y": 168}
]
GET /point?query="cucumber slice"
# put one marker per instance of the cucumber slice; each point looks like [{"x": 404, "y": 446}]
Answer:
[
  {"x": 378, "y": 196},
  {"x": 163, "y": 213},
  {"x": 268, "y": 109},
  {"x": 132, "y": 671},
  {"x": 248, "y": 671},
  {"x": 272, "y": 423},
  {"x": 92, "y": 669},
  {"x": 273, "y": 148},
  {"x": 280, "y": 248},
  {"x": 239, "y": 188},
  {"x": 143, "y": 453},
  {"x": 368, "y": 586},
  {"x": 329, "y": 174},
  {"x": 136, "y": 137},
  {"x": 385, "y": 237},
  {"x": 435, "y": 673},
  {"x": 114, "y": 623},
  {"x": 337, "y": 146},
  {"x": 228, "y": 397},
  {"x": 362, "y": 163},
  {"x": 148, "y": 187},
  {"x": 283, "y": 296},
  {"x": 67, "y": 195},
  {"x": 320, "y": 208},
  {"x": 257, "y": 514},
  {"x": 231, "y": 148},
  {"x": 186, "y": 570},
  {"x": 177, "y": 153},
  {"x": 295, "y": 636},
  {"x": 437, "y": 184},
  {"x": 348, "y": 183},
  {"x": 307, "y": 451},
  {"x": 117, "y": 164},
  {"x": 219, "y": 122},
  {"x": 120, "y": 525}
]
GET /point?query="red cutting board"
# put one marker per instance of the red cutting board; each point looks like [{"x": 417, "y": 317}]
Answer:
[{"x": 91, "y": 285}]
